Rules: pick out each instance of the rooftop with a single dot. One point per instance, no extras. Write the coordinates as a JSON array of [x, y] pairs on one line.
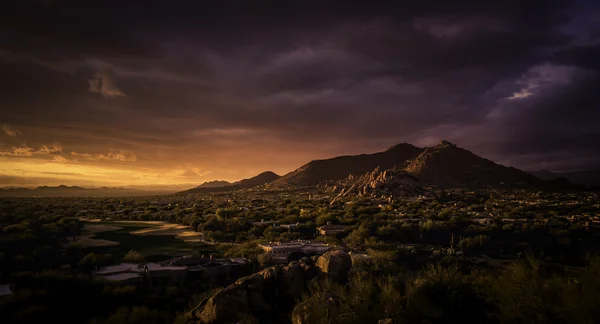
[[135, 268], [5, 290], [122, 276], [123, 267], [294, 243]]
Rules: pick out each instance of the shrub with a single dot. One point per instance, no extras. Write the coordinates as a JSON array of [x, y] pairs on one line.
[[133, 256]]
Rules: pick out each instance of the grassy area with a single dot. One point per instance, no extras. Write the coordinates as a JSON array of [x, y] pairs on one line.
[[153, 247]]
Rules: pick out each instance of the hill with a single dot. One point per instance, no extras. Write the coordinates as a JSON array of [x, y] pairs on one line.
[[261, 179], [75, 191], [590, 178], [446, 165], [341, 167], [214, 184]]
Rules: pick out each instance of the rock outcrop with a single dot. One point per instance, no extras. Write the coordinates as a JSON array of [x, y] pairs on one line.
[[335, 265], [382, 184], [270, 291]]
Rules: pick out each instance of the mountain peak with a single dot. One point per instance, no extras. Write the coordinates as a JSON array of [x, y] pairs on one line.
[[399, 146], [214, 184], [447, 165], [445, 143], [268, 174]]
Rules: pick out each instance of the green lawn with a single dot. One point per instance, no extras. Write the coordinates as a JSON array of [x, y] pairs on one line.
[[154, 247]]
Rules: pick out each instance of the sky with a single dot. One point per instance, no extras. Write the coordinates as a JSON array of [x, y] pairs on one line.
[[152, 92]]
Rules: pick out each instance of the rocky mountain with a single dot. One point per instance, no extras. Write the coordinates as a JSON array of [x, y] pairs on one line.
[[446, 165], [341, 167], [384, 184], [590, 178], [215, 184], [74, 191], [261, 179]]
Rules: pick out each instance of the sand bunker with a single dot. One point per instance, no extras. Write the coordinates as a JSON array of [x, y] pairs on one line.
[[181, 232], [95, 220], [190, 236], [98, 228], [88, 240], [165, 229], [140, 222]]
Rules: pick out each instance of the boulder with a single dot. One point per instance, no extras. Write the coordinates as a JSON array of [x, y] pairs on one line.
[[305, 313], [257, 295], [335, 265], [226, 306], [301, 313], [293, 279], [253, 282]]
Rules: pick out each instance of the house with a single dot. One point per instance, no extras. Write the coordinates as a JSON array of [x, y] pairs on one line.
[[211, 270], [483, 221], [281, 252], [515, 221], [134, 273], [5, 290], [265, 223], [129, 273], [290, 227], [331, 229]]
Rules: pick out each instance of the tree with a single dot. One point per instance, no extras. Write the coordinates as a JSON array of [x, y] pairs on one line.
[[96, 260], [224, 213], [133, 256], [324, 218], [265, 259], [358, 236]]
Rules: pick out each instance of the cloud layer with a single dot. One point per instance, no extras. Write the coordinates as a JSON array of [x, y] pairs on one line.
[[10, 131], [239, 88]]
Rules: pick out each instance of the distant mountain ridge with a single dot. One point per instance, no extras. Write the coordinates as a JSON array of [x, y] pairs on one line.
[[443, 166], [261, 179], [75, 191], [214, 184], [590, 178]]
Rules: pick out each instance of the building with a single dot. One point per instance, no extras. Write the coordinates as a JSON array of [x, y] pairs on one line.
[[134, 273], [130, 273], [290, 227], [483, 221], [211, 270], [331, 229], [5, 290], [282, 252], [265, 223]]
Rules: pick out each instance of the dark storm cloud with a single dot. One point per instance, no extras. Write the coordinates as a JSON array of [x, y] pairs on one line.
[[290, 81]]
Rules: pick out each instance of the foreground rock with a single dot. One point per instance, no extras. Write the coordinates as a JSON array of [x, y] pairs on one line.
[[273, 290], [335, 265]]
